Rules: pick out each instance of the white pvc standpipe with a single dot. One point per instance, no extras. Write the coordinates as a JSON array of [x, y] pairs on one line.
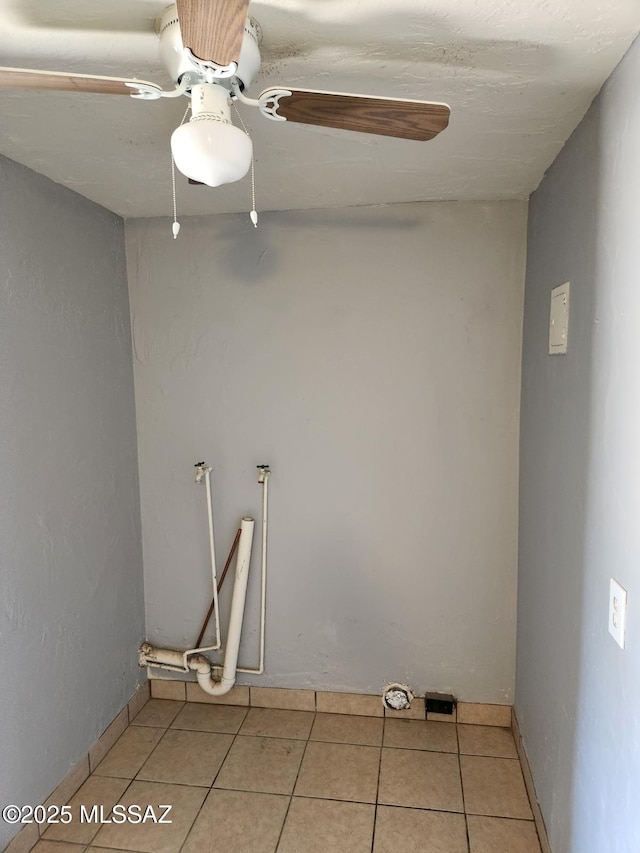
[[199, 663], [264, 479], [263, 572]]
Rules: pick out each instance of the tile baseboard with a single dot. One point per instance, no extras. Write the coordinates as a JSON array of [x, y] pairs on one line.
[[29, 836], [529, 784], [479, 714], [329, 702]]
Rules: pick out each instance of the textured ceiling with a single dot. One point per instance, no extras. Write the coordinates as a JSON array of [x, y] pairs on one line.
[[518, 75]]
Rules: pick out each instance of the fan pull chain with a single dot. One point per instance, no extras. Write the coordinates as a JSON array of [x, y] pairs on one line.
[[254, 213], [175, 227]]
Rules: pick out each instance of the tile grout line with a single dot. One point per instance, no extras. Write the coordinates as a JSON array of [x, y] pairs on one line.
[[216, 774], [464, 804], [109, 813], [160, 739], [130, 781], [375, 807], [304, 752]]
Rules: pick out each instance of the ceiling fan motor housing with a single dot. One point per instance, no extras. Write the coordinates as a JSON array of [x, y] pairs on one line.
[[177, 61]]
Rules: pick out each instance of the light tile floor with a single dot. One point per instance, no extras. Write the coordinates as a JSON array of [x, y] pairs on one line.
[[261, 780]]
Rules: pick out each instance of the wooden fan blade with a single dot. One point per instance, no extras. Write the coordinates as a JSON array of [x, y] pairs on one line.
[[22, 78], [402, 118], [213, 29]]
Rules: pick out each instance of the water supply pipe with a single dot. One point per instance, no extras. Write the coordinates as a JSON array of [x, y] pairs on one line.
[[203, 470]]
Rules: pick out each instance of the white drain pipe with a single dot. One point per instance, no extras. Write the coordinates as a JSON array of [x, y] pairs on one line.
[[184, 661], [200, 664], [205, 470]]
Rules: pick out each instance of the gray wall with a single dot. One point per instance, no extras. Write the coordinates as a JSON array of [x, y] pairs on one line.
[[371, 356], [578, 693], [71, 594]]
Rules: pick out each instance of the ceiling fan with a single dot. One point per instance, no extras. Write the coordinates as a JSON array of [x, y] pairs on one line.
[[210, 48]]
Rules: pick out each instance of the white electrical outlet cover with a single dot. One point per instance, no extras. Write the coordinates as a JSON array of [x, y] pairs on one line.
[[617, 611]]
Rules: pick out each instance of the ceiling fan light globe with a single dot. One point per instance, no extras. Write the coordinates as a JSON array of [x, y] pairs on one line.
[[211, 152]]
